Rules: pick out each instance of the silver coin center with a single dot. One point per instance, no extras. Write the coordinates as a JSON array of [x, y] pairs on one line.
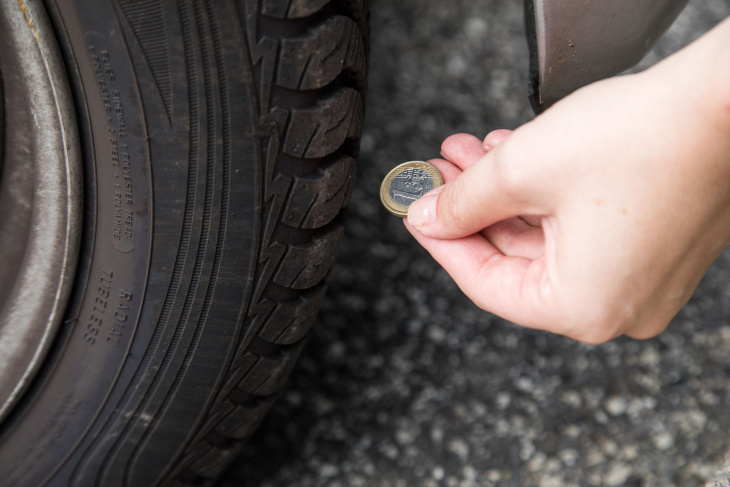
[[410, 185]]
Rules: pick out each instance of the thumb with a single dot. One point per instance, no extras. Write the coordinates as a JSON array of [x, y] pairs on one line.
[[479, 197]]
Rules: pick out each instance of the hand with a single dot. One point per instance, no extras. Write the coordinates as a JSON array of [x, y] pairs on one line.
[[601, 216]]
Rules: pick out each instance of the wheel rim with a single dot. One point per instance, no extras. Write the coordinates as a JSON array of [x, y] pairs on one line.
[[40, 194]]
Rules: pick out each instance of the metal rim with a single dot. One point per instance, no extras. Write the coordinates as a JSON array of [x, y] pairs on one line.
[[40, 194]]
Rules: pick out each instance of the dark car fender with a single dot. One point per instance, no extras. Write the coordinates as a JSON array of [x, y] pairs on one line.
[[574, 43]]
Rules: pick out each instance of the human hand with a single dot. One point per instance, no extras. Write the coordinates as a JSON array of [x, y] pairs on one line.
[[598, 218]]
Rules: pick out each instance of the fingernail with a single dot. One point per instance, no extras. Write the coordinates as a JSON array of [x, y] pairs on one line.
[[422, 212]]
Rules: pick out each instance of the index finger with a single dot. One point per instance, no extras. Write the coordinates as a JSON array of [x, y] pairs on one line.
[[516, 288]]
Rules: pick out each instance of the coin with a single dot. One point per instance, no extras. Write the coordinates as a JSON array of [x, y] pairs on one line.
[[406, 183]]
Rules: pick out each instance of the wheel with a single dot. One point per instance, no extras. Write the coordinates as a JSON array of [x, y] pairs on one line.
[[191, 160]]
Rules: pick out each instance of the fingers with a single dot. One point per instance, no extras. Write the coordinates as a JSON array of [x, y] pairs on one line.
[[448, 171], [516, 238], [478, 198], [494, 138], [470, 202], [532, 220], [463, 150], [514, 288]]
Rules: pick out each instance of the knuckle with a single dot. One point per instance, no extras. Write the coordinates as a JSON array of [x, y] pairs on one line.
[[596, 337], [650, 328], [596, 323]]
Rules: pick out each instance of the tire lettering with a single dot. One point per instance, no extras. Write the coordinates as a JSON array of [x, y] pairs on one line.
[[96, 318]]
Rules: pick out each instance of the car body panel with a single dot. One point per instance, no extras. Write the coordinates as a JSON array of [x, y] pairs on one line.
[[574, 43]]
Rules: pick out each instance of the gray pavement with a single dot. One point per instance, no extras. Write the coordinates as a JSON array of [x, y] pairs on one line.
[[406, 383]]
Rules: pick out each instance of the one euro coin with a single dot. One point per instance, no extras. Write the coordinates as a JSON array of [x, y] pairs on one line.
[[406, 183]]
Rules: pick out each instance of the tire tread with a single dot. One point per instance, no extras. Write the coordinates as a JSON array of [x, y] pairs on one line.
[[301, 233]]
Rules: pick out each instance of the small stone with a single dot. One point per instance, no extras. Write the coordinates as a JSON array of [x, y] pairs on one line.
[[616, 405], [459, 448], [610, 448], [389, 451], [525, 384], [537, 462], [692, 422], [405, 436], [600, 417], [327, 470], [572, 431], [527, 449], [456, 66], [436, 334], [572, 399], [438, 473], [617, 475], [630, 452], [437, 435], [470, 473], [650, 357], [638, 405], [494, 475], [663, 441], [569, 457], [503, 400], [476, 28], [594, 458]]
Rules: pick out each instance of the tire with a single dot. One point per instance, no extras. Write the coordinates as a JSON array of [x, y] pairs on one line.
[[218, 140]]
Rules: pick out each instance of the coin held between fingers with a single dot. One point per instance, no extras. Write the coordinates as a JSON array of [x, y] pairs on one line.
[[406, 183]]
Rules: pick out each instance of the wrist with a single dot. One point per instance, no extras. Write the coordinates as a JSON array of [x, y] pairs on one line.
[[699, 75]]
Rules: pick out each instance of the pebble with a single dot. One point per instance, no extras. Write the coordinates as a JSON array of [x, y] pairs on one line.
[[616, 405], [459, 448], [663, 441], [617, 475]]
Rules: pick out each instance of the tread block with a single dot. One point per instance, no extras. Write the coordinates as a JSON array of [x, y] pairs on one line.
[[303, 267], [315, 61], [292, 9], [320, 130], [214, 461], [290, 321], [243, 421], [270, 372], [317, 199]]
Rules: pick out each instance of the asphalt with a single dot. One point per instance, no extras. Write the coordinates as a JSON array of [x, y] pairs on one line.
[[406, 383]]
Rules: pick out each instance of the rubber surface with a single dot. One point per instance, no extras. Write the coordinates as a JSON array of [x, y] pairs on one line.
[[220, 139]]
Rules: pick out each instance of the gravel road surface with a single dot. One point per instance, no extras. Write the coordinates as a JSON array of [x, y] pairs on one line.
[[406, 383]]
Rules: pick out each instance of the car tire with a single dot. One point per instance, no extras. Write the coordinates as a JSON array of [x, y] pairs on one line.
[[218, 141]]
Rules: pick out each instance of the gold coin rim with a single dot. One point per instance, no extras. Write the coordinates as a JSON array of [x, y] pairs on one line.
[[390, 205]]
